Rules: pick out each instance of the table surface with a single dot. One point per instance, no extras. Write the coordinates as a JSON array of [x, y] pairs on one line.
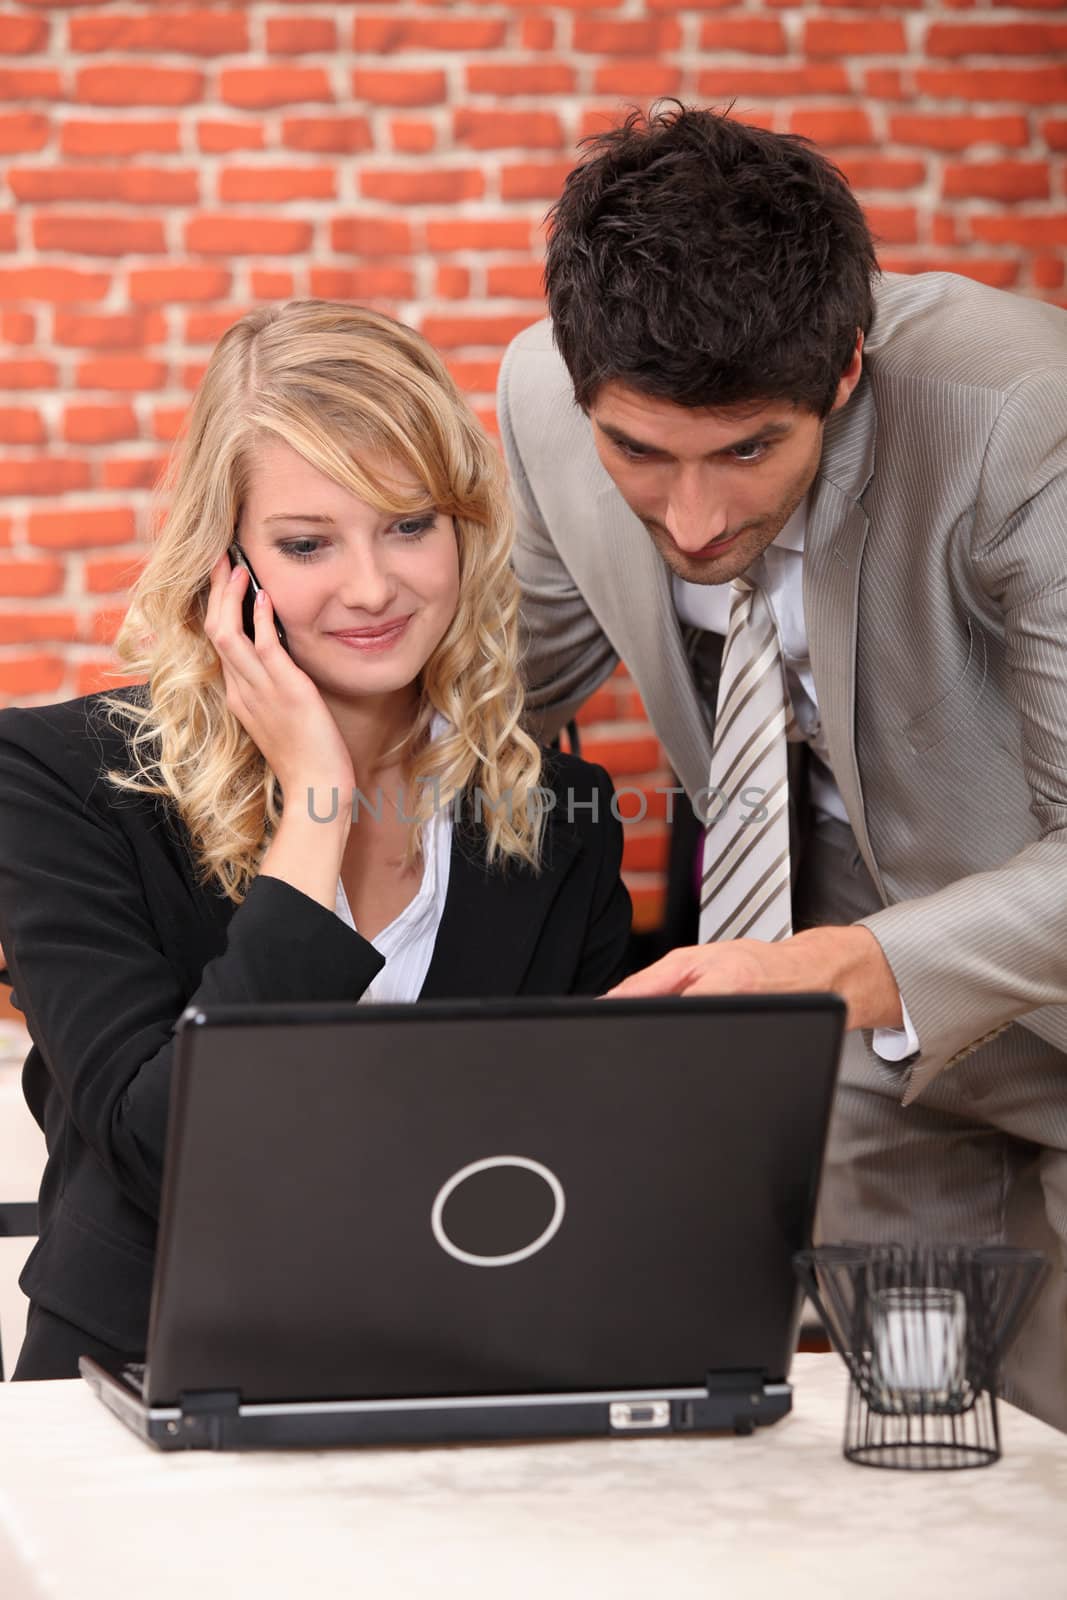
[[88, 1511]]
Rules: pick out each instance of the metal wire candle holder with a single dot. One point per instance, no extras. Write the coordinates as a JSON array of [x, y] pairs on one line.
[[922, 1330]]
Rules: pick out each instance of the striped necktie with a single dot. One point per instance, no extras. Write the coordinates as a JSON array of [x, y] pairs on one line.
[[745, 889]]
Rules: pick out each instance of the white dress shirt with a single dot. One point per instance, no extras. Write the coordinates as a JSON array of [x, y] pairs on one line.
[[407, 943], [779, 573]]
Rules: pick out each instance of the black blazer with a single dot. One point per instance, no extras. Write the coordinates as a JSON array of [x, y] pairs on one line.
[[109, 936]]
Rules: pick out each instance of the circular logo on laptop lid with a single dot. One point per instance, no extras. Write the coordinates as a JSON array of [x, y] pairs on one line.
[[499, 1211]]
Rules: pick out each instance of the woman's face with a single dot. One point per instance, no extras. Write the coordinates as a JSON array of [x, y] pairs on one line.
[[364, 597]]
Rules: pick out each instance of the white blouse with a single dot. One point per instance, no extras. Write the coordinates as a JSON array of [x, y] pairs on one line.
[[408, 941]]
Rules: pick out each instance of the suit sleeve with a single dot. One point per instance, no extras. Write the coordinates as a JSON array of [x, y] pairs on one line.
[[87, 959], [566, 654], [992, 947], [608, 931]]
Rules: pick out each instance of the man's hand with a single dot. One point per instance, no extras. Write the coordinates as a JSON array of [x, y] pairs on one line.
[[847, 961]]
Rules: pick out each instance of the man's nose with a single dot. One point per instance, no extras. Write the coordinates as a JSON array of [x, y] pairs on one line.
[[695, 514], [368, 583]]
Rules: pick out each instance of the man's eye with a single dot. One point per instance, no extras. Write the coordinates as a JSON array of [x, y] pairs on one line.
[[755, 450], [632, 452]]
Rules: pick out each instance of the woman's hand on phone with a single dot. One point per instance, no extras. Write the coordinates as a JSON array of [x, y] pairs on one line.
[[273, 699]]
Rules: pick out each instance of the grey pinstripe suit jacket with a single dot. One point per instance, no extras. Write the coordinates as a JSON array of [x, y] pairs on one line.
[[935, 591]]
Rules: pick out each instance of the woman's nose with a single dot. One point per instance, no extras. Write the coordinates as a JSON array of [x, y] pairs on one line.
[[368, 584]]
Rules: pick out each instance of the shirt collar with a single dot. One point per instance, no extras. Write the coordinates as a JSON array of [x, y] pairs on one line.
[[792, 535]]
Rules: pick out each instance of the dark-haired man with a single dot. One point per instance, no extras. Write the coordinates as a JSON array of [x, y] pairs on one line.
[[724, 433]]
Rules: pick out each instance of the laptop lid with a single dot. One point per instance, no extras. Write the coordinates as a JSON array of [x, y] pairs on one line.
[[494, 1198]]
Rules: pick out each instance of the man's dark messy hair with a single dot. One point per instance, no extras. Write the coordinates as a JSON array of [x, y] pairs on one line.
[[702, 260]]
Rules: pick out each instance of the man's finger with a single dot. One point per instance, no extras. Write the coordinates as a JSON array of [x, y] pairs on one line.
[[666, 976]]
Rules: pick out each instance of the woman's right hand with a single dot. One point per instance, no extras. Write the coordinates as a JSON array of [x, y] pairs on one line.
[[274, 700]]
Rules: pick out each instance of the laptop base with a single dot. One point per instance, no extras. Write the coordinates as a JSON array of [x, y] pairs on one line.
[[218, 1420]]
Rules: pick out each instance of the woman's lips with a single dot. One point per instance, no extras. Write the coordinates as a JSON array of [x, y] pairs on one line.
[[372, 639]]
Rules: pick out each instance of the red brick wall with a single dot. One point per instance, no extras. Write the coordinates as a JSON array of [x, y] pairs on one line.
[[168, 166]]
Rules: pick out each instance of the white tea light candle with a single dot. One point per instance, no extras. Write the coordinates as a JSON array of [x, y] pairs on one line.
[[918, 1346]]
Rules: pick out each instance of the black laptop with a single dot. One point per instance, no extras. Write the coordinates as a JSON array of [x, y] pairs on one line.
[[508, 1219]]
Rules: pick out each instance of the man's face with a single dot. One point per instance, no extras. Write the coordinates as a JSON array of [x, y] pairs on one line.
[[713, 488]]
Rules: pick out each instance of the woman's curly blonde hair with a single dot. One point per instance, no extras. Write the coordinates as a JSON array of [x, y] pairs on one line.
[[343, 386]]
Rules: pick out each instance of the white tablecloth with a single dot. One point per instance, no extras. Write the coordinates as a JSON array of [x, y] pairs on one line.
[[90, 1513]]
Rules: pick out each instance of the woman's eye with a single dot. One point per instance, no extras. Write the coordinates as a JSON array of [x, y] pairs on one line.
[[300, 549], [415, 527]]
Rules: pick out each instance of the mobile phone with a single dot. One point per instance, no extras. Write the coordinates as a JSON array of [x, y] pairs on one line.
[[239, 559]]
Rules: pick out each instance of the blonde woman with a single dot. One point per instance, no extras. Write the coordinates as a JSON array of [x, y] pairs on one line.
[[325, 794]]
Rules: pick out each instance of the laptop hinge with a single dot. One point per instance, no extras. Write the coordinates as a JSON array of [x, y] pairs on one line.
[[737, 1398], [205, 1414]]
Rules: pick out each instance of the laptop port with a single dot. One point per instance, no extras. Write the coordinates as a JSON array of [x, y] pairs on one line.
[[629, 1414]]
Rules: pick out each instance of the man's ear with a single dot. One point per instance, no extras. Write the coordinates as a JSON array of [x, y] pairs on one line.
[[851, 375]]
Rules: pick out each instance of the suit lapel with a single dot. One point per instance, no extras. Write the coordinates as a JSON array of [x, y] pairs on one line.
[[627, 587], [492, 919], [833, 554]]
